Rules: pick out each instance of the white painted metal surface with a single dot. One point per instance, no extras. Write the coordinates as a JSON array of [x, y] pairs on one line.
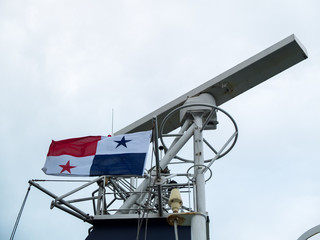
[[198, 223], [310, 233]]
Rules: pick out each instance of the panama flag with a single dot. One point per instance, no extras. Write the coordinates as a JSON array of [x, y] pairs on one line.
[[99, 155]]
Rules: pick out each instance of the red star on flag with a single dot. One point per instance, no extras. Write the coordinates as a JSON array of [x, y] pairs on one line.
[[66, 167]]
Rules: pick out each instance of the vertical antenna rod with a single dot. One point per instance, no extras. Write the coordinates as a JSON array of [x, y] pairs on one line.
[[112, 115]]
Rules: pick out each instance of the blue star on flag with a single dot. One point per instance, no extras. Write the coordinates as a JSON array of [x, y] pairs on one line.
[[122, 142]]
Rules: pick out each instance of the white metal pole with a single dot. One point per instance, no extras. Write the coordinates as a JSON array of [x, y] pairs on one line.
[[198, 223], [198, 227]]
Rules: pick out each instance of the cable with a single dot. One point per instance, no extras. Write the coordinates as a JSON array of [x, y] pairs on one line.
[[146, 228], [144, 211], [147, 202], [175, 224], [20, 213], [139, 225]]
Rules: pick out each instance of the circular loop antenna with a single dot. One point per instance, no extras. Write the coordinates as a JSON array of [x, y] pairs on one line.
[[198, 165], [213, 108]]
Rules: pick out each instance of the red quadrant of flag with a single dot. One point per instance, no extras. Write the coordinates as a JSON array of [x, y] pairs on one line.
[[77, 147]]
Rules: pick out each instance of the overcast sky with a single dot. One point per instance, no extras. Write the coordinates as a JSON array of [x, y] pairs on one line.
[[64, 65]]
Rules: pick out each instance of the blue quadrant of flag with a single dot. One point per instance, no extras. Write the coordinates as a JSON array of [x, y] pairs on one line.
[[120, 164]]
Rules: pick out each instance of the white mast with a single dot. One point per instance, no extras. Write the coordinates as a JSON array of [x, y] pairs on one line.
[[215, 92], [194, 113]]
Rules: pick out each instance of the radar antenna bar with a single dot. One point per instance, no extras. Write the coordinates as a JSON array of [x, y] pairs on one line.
[[233, 82]]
